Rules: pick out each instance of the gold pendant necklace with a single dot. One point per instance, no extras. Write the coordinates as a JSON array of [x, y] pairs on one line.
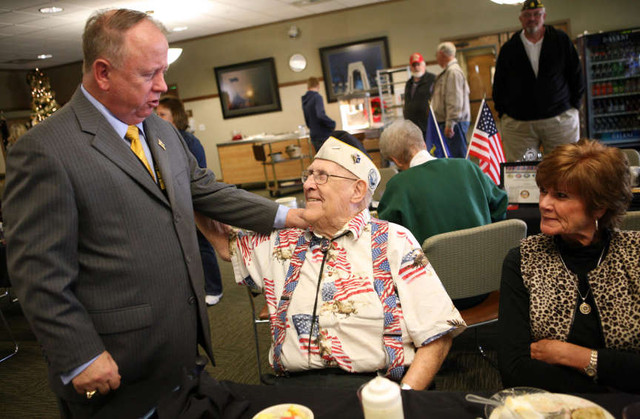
[[584, 307]]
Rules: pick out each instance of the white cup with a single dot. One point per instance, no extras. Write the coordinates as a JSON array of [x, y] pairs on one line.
[[289, 201]]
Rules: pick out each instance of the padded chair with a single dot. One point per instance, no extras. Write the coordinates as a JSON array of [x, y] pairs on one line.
[[632, 155], [631, 221], [258, 317], [469, 263], [386, 173]]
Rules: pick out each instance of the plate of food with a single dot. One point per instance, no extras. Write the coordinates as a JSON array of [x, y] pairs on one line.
[[528, 402], [582, 408], [285, 411]]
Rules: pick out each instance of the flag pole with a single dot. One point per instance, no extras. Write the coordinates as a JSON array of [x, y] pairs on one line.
[[444, 149], [474, 127]]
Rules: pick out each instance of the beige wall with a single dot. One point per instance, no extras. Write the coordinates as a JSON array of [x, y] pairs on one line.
[[409, 25]]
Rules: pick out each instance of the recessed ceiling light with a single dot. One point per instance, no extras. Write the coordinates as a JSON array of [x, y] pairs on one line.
[[180, 28], [44, 56], [49, 10]]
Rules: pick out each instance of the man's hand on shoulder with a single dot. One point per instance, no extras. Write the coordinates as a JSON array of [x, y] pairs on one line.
[[295, 218], [101, 375]]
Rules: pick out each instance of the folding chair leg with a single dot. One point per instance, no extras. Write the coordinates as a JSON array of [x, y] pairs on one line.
[[263, 378], [482, 352], [15, 344]]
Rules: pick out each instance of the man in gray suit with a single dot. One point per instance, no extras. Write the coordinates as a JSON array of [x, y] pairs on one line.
[[101, 246]]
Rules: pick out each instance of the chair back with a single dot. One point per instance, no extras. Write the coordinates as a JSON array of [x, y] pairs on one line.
[[632, 155], [469, 261], [386, 173], [631, 221]]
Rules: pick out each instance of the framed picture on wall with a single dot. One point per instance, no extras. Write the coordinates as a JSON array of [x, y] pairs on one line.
[[248, 88], [353, 64]]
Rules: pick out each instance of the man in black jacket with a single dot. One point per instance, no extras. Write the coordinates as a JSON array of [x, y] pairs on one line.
[[417, 92], [538, 86]]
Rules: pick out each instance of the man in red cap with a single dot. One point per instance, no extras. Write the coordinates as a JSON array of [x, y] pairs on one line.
[[538, 86], [417, 92]]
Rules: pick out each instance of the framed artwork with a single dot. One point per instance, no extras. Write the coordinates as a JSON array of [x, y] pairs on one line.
[[248, 88], [353, 64]]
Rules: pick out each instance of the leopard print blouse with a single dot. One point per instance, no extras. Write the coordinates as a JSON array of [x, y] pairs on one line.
[[615, 285]]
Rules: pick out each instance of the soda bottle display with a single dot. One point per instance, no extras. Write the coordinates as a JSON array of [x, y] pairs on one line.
[[612, 71]]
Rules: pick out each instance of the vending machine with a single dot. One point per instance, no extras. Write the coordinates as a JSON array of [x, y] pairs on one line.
[[611, 111]]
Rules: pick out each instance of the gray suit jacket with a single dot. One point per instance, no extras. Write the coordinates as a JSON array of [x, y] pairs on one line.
[[102, 259]]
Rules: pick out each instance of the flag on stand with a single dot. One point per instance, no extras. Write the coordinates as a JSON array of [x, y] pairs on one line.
[[435, 145], [486, 144]]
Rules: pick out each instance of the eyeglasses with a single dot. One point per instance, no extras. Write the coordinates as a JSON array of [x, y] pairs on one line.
[[320, 178]]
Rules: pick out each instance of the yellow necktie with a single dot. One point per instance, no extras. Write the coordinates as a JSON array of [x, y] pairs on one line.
[[136, 147]]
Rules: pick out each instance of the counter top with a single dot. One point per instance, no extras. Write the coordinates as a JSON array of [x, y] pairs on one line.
[[263, 138]]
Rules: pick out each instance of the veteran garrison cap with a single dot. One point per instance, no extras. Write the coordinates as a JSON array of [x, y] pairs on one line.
[[532, 4], [352, 159]]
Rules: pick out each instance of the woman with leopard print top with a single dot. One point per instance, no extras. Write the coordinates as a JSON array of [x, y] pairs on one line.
[[570, 297]]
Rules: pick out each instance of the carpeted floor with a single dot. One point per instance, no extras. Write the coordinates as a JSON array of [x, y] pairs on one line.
[[24, 391]]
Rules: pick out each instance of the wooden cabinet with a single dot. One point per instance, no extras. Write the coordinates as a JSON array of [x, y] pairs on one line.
[[239, 165]]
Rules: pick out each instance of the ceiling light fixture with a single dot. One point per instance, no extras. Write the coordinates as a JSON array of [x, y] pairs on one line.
[[50, 10], [513, 2], [179, 28], [44, 56], [173, 54]]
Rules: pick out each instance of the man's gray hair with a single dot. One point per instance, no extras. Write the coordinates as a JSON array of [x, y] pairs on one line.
[[103, 35], [448, 48], [401, 140]]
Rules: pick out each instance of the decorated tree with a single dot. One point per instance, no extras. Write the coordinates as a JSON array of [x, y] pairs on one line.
[[43, 102]]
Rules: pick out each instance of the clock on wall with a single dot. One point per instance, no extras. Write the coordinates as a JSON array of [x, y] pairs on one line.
[[297, 62]]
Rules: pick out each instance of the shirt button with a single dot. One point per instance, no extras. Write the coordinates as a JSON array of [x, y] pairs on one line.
[[192, 300]]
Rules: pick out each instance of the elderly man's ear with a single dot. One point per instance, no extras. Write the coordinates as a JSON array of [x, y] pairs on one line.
[[360, 189]]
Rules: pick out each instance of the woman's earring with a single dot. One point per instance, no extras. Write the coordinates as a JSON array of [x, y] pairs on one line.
[[596, 224]]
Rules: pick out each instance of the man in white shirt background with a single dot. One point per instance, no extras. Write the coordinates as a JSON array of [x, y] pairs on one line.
[[538, 86]]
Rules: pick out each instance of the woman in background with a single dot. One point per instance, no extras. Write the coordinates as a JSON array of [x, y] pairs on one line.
[[172, 110], [570, 297]]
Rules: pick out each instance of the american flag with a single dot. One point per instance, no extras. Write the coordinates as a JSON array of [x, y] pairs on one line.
[[409, 271], [333, 353], [353, 285], [302, 324], [486, 144], [270, 292]]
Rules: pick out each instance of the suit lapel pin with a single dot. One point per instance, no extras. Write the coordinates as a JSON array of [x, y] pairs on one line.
[[161, 144]]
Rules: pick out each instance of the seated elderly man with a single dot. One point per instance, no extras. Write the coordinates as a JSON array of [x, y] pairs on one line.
[[351, 294], [432, 196]]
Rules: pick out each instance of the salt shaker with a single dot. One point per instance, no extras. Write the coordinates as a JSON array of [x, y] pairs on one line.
[[381, 399]]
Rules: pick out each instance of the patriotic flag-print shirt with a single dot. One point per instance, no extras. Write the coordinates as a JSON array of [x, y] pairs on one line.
[[348, 327]]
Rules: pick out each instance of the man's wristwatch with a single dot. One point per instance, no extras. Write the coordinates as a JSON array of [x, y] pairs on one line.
[[592, 369]]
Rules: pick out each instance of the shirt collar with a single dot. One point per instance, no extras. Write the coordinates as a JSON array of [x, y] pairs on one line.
[[421, 157], [119, 126], [356, 226]]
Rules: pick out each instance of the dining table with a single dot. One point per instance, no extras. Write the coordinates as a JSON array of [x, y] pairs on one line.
[[335, 403]]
